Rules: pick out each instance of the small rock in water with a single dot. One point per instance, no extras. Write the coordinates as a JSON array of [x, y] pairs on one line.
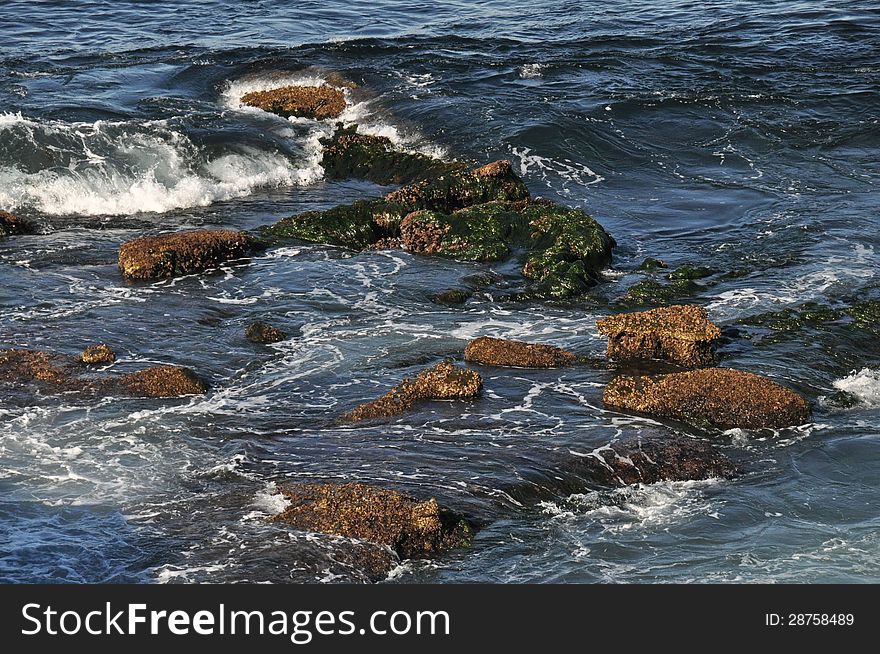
[[451, 296], [181, 253], [316, 102], [414, 529], [97, 354], [441, 382], [502, 352], [260, 332], [160, 381], [680, 334], [12, 225], [719, 397]]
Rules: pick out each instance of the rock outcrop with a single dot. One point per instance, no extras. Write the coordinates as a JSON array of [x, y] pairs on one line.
[[441, 382], [491, 351], [181, 253], [160, 381], [316, 102], [680, 334], [98, 354], [260, 332], [412, 528], [718, 397], [12, 225]]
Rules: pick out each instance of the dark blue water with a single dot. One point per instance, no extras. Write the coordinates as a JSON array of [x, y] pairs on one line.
[[739, 135]]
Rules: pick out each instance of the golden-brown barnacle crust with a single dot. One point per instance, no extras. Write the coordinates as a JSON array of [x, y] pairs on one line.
[[316, 102], [181, 253], [491, 351]]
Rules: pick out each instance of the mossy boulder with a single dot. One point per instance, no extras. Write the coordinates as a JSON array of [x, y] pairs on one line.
[[348, 154], [441, 382], [718, 397], [98, 354], [316, 102], [490, 351], [260, 332], [412, 528], [12, 225], [679, 334], [480, 233], [181, 253]]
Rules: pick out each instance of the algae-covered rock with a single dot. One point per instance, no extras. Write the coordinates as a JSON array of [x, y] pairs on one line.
[[860, 315], [441, 382], [160, 381], [719, 397], [680, 334], [98, 354], [651, 291], [260, 332], [451, 297], [480, 233], [181, 253], [502, 352], [413, 528], [58, 373], [12, 225], [348, 154], [317, 102]]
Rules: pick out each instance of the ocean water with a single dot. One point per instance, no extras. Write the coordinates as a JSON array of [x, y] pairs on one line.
[[739, 135]]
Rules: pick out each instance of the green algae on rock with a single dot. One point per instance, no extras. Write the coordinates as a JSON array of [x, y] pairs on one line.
[[316, 102], [441, 382], [680, 334], [412, 528], [491, 351], [718, 397], [181, 253]]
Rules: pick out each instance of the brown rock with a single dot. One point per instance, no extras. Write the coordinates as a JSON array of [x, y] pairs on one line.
[[412, 528], [317, 102], [441, 382], [720, 397], [181, 253], [10, 225], [161, 381], [260, 332], [681, 334], [501, 352], [96, 354], [21, 366]]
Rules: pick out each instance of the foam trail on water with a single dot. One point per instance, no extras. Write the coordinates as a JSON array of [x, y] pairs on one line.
[[864, 385]]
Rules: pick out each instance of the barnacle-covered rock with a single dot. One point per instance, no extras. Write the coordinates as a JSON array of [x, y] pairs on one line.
[[98, 354], [260, 332], [680, 334], [181, 253], [491, 351], [159, 381], [412, 528], [441, 382], [720, 397]]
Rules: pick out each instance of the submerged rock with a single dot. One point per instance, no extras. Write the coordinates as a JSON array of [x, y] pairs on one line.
[[12, 225], [316, 102], [57, 373], [412, 528], [719, 397], [451, 296], [97, 354], [181, 253], [680, 334], [441, 382], [864, 315], [348, 154], [502, 352], [623, 463], [260, 332]]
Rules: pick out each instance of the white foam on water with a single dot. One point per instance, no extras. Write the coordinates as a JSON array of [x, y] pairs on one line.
[[552, 171], [530, 71], [863, 384], [123, 168]]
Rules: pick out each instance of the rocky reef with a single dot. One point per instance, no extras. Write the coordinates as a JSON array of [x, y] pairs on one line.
[[181, 253], [12, 225], [441, 382], [260, 332], [679, 334], [316, 102], [717, 397], [56, 373], [491, 351], [412, 528]]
